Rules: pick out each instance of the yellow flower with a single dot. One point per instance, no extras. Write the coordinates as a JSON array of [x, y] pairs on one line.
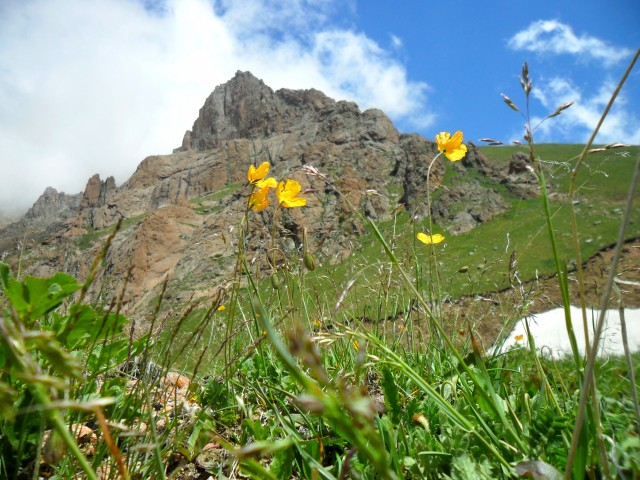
[[269, 182], [452, 147], [287, 192], [429, 239], [519, 338], [221, 307], [256, 174], [258, 200]]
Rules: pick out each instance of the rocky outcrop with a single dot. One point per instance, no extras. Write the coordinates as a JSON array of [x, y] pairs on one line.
[[186, 143], [464, 205], [245, 108], [53, 206], [5, 220], [96, 194], [97, 191], [520, 179], [47, 215], [153, 249]]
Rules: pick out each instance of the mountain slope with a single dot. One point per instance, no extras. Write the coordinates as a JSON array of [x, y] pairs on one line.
[[181, 211]]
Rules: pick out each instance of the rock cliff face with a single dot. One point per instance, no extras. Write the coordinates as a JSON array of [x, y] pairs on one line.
[[53, 206], [181, 211]]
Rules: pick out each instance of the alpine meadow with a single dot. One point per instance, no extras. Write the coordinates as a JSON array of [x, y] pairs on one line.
[[300, 291]]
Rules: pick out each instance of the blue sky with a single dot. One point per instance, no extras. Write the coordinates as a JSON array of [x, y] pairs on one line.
[[468, 54], [94, 87]]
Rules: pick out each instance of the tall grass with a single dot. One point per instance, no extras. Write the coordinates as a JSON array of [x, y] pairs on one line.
[[374, 375]]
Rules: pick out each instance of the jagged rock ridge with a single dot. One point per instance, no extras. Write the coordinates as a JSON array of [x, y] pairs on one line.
[[180, 210]]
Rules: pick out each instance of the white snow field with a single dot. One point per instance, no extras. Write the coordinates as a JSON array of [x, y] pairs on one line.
[[550, 333]]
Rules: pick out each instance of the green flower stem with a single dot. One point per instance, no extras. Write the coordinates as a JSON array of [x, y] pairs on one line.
[[591, 362], [589, 382], [443, 405], [629, 360], [332, 408], [563, 281], [491, 396], [562, 272], [18, 354], [61, 428], [157, 457], [572, 190], [432, 257]]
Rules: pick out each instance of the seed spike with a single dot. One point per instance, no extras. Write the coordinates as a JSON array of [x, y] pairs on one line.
[[560, 109], [509, 102]]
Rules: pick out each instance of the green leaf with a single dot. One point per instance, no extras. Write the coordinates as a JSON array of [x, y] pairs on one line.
[[7, 395], [102, 358], [35, 297], [60, 359], [390, 390], [282, 464], [5, 275], [464, 467], [253, 469], [84, 326]]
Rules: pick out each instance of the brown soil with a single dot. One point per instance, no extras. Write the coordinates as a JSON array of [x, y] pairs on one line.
[[491, 312]]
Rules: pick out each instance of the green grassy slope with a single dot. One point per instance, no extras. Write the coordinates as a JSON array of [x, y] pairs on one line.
[[478, 261]]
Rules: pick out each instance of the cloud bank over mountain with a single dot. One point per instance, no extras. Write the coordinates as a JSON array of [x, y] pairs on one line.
[[94, 87]]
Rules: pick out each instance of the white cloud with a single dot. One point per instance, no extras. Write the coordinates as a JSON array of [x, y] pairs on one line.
[[358, 65], [552, 36], [94, 87], [396, 41], [282, 16], [578, 121]]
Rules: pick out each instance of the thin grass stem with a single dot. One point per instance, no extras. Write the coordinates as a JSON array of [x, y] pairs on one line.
[[572, 191], [629, 360], [604, 301]]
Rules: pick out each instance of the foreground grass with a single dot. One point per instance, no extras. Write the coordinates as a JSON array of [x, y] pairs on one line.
[[332, 400], [291, 385]]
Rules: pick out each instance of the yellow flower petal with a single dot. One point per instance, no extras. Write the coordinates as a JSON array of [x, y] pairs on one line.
[[267, 183], [452, 147], [429, 239], [294, 202], [286, 193], [258, 200], [441, 139], [256, 174]]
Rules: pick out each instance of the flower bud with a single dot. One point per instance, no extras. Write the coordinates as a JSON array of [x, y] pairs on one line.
[[275, 281], [309, 261]]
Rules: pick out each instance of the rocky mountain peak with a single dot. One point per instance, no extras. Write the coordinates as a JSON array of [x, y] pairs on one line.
[[246, 108], [96, 192], [53, 206]]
